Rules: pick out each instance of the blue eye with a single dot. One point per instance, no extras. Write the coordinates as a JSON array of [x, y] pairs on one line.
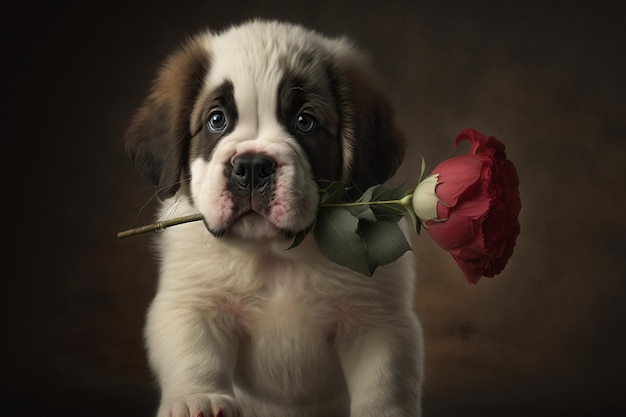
[[305, 123], [217, 121]]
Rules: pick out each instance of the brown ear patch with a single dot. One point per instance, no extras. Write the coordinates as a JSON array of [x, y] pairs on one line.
[[374, 147], [157, 139], [381, 144]]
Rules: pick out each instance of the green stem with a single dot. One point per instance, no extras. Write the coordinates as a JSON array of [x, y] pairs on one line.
[[162, 225], [360, 203], [404, 202]]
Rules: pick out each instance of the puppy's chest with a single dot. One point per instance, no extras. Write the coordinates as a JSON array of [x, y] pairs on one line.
[[282, 313], [286, 298], [288, 335]]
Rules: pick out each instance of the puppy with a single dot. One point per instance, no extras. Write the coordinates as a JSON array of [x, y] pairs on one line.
[[240, 126]]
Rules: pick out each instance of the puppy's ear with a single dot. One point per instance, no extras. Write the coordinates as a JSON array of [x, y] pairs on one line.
[[374, 146], [157, 139]]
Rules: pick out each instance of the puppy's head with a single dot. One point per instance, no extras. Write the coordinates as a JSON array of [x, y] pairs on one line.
[[243, 123]]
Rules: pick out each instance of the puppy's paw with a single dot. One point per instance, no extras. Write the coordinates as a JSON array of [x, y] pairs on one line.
[[200, 405]]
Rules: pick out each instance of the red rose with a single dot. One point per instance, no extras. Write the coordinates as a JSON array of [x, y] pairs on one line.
[[478, 207]]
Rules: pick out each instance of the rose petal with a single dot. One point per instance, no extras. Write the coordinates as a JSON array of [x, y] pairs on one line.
[[481, 144], [453, 233], [473, 264], [459, 175]]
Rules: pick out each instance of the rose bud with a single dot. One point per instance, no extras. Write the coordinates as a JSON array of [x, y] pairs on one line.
[[470, 206]]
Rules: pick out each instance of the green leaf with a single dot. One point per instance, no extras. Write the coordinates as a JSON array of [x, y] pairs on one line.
[[385, 242], [417, 224], [360, 236], [395, 193], [422, 169], [331, 191], [372, 193], [388, 212], [336, 236], [364, 212]]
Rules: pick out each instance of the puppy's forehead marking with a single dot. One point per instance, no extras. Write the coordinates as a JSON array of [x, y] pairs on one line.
[[256, 60], [277, 71]]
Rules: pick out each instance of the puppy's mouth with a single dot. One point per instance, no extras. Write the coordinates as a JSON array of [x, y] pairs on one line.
[[252, 225], [259, 198], [251, 185]]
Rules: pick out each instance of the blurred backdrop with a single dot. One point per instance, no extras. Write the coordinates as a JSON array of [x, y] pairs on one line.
[[544, 337]]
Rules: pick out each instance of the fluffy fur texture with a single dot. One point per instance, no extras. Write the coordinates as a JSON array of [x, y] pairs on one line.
[[239, 126]]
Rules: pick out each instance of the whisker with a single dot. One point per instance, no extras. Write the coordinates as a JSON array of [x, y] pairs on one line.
[[144, 206], [153, 196]]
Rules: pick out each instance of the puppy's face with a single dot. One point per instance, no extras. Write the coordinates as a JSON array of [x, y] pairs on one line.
[[243, 124], [267, 128]]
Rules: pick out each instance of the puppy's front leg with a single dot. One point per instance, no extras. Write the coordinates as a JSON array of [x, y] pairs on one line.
[[193, 359], [383, 369]]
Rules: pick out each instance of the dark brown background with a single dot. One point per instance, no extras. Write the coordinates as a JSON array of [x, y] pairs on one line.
[[544, 337]]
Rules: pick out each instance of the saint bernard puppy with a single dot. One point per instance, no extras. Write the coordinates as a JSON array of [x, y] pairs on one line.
[[239, 126]]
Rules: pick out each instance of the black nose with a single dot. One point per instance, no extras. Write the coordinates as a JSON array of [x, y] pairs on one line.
[[253, 171]]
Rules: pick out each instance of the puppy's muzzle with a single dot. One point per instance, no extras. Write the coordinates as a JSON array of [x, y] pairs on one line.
[[253, 173]]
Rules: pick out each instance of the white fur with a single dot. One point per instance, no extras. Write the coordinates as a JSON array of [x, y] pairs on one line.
[[300, 335], [242, 326]]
